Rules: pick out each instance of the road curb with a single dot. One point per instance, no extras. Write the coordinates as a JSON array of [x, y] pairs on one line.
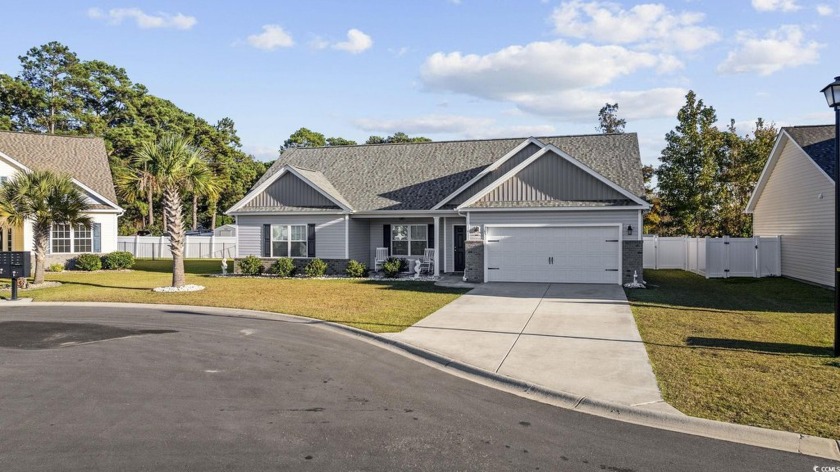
[[773, 439]]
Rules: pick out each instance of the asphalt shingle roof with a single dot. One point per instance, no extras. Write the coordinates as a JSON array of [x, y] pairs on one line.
[[417, 176], [817, 142], [85, 159]]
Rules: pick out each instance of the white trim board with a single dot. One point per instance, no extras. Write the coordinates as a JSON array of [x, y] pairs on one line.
[[542, 152], [781, 141], [495, 165]]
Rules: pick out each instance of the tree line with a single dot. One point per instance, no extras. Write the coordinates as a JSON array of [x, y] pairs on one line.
[[705, 175]]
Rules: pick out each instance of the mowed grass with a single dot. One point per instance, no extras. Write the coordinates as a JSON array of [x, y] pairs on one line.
[[749, 351], [375, 306]]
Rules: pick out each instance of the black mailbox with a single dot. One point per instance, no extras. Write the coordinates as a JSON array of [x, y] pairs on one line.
[[15, 264]]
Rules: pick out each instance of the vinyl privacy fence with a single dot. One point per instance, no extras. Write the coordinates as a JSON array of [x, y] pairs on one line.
[[195, 247], [716, 257]]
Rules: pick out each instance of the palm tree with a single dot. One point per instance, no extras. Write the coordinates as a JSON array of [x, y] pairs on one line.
[[171, 165], [45, 199], [202, 183]]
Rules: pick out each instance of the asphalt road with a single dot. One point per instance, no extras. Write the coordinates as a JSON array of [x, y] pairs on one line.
[[140, 389]]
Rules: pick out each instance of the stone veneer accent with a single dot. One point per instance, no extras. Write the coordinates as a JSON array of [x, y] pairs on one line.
[[334, 266], [631, 258], [474, 262]]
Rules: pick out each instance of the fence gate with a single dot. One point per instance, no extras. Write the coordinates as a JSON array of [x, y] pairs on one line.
[[716, 257]]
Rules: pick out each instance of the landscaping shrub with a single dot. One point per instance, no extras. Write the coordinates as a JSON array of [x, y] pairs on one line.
[[356, 269], [118, 260], [251, 265], [88, 262], [56, 267], [284, 267], [315, 268], [393, 266]]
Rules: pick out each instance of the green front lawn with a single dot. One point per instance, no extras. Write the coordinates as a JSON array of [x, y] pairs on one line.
[[750, 351], [375, 306]]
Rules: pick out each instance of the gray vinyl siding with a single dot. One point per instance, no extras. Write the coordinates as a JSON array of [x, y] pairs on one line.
[[448, 264], [329, 233], [790, 206], [625, 217], [360, 240], [290, 191], [491, 177], [552, 177]]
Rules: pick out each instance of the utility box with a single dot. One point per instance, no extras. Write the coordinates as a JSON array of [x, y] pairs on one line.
[[15, 264]]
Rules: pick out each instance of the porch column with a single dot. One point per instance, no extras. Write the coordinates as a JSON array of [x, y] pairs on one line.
[[437, 246]]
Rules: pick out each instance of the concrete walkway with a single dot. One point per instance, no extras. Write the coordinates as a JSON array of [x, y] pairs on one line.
[[576, 338]]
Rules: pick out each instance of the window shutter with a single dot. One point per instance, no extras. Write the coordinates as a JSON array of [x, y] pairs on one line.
[[310, 239], [266, 236], [386, 237], [430, 235], [97, 237]]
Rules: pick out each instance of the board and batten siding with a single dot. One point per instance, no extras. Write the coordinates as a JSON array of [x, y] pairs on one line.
[[329, 233], [797, 203], [491, 177], [290, 191], [568, 217], [552, 177], [359, 236]]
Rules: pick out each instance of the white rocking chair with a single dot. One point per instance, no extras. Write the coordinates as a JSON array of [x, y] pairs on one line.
[[428, 260], [381, 257]]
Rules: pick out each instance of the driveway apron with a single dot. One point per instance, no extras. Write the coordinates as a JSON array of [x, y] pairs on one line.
[[577, 338]]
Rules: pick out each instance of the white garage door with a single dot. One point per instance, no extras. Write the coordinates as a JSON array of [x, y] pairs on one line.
[[573, 254]]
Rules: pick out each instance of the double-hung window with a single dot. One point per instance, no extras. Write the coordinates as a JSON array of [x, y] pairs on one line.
[[288, 241], [71, 239], [409, 240]]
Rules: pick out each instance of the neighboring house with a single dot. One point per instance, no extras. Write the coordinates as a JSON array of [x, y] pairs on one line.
[[794, 198], [554, 209], [86, 161], [225, 231]]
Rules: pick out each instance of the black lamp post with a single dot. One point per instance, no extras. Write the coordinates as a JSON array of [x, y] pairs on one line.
[[832, 96]]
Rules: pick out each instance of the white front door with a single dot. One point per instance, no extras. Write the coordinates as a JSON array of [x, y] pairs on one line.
[[556, 254]]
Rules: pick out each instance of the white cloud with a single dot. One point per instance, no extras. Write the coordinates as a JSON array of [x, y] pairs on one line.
[[319, 43], [262, 153], [825, 10], [534, 68], [424, 124], [272, 37], [650, 25], [143, 20], [584, 104], [357, 42], [775, 5], [779, 49]]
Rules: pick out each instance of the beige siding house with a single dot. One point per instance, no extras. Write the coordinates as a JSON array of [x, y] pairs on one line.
[[794, 198]]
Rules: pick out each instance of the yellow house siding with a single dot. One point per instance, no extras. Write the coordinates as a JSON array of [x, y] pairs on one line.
[[790, 206]]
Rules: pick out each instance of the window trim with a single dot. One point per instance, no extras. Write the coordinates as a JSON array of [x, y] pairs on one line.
[[289, 241], [408, 239], [72, 238]]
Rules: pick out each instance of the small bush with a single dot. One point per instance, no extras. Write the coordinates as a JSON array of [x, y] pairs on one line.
[[284, 267], [315, 268], [251, 265], [393, 266], [56, 267], [88, 262], [118, 260], [356, 269]]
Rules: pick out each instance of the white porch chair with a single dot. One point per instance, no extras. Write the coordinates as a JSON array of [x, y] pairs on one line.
[[381, 257], [428, 260]]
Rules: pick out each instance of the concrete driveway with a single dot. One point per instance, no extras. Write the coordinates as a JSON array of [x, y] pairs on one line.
[[577, 338]]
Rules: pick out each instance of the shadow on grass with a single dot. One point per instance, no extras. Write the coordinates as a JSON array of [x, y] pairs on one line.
[[301, 321], [674, 289], [191, 266], [423, 287], [759, 346], [88, 284]]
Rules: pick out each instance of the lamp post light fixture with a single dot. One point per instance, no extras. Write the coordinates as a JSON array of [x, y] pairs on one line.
[[832, 97]]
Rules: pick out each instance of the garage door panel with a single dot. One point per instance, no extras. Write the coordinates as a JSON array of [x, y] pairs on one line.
[[580, 254]]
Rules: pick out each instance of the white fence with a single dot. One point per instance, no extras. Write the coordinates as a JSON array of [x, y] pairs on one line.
[[195, 247], [716, 257]]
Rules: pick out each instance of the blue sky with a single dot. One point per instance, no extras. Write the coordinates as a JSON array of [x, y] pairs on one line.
[[452, 69]]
